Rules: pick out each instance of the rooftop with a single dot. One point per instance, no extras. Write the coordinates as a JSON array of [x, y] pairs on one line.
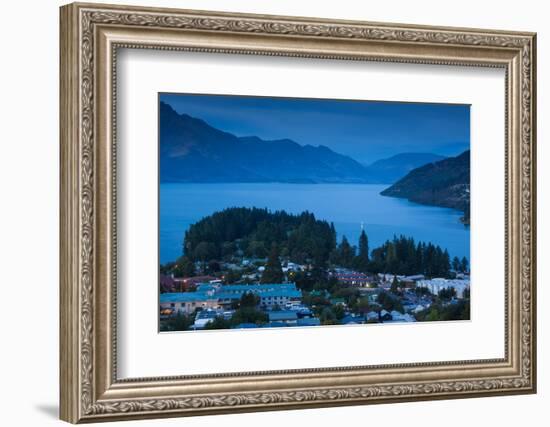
[[245, 326], [210, 291], [309, 321], [283, 315], [178, 297], [456, 283]]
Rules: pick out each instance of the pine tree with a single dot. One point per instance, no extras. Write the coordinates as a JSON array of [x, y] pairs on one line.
[[446, 264], [184, 267], [456, 264], [346, 253], [394, 285], [419, 255], [464, 265], [332, 236], [273, 272], [362, 261], [391, 258]]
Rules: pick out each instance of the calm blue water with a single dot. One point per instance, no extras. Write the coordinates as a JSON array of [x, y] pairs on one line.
[[347, 205]]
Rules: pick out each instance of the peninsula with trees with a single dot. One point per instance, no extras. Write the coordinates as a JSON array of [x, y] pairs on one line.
[[445, 183]]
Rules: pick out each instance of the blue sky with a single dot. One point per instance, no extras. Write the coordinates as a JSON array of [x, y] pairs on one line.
[[365, 130]]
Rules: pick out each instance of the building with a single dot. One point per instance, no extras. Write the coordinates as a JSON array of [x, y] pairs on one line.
[[410, 281], [204, 317], [352, 319], [385, 316], [187, 302], [338, 301], [436, 285], [292, 267], [217, 296], [371, 316], [401, 317], [386, 277], [308, 321], [288, 317], [271, 295], [246, 326], [167, 283], [184, 284], [352, 278]]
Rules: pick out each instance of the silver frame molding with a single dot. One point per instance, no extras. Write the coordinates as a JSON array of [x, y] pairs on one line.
[[90, 37]]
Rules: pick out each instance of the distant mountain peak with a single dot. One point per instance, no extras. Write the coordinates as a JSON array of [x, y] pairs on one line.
[[393, 168], [191, 150], [411, 154]]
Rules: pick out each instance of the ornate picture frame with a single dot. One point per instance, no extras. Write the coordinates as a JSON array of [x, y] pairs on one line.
[[91, 34]]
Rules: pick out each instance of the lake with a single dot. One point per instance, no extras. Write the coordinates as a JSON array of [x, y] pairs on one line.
[[349, 206]]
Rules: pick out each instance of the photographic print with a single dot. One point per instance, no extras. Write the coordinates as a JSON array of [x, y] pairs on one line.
[[301, 212]]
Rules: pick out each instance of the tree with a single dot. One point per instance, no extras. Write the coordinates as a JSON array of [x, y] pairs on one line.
[[394, 285], [303, 281], [446, 294], [456, 264], [233, 276], [273, 272], [419, 264], [444, 263], [438, 312], [184, 267], [179, 322], [421, 291], [363, 305], [319, 266], [392, 262], [249, 299], [364, 245], [338, 311], [429, 260], [346, 253], [167, 268], [204, 252], [218, 323], [402, 255], [464, 265], [256, 249], [327, 316], [334, 257], [362, 259], [248, 315], [389, 302], [332, 284], [252, 231], [228, 249], [214, 266], [332, 235]]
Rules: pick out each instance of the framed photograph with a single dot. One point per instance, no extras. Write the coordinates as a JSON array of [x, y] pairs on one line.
[[266, 213]]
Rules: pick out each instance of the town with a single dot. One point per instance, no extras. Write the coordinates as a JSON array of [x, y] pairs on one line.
[[275, 292], [253, 268]]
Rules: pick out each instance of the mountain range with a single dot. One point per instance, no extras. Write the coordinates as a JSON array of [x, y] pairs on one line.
[[444, 183], [387, 171], [191, 150]]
